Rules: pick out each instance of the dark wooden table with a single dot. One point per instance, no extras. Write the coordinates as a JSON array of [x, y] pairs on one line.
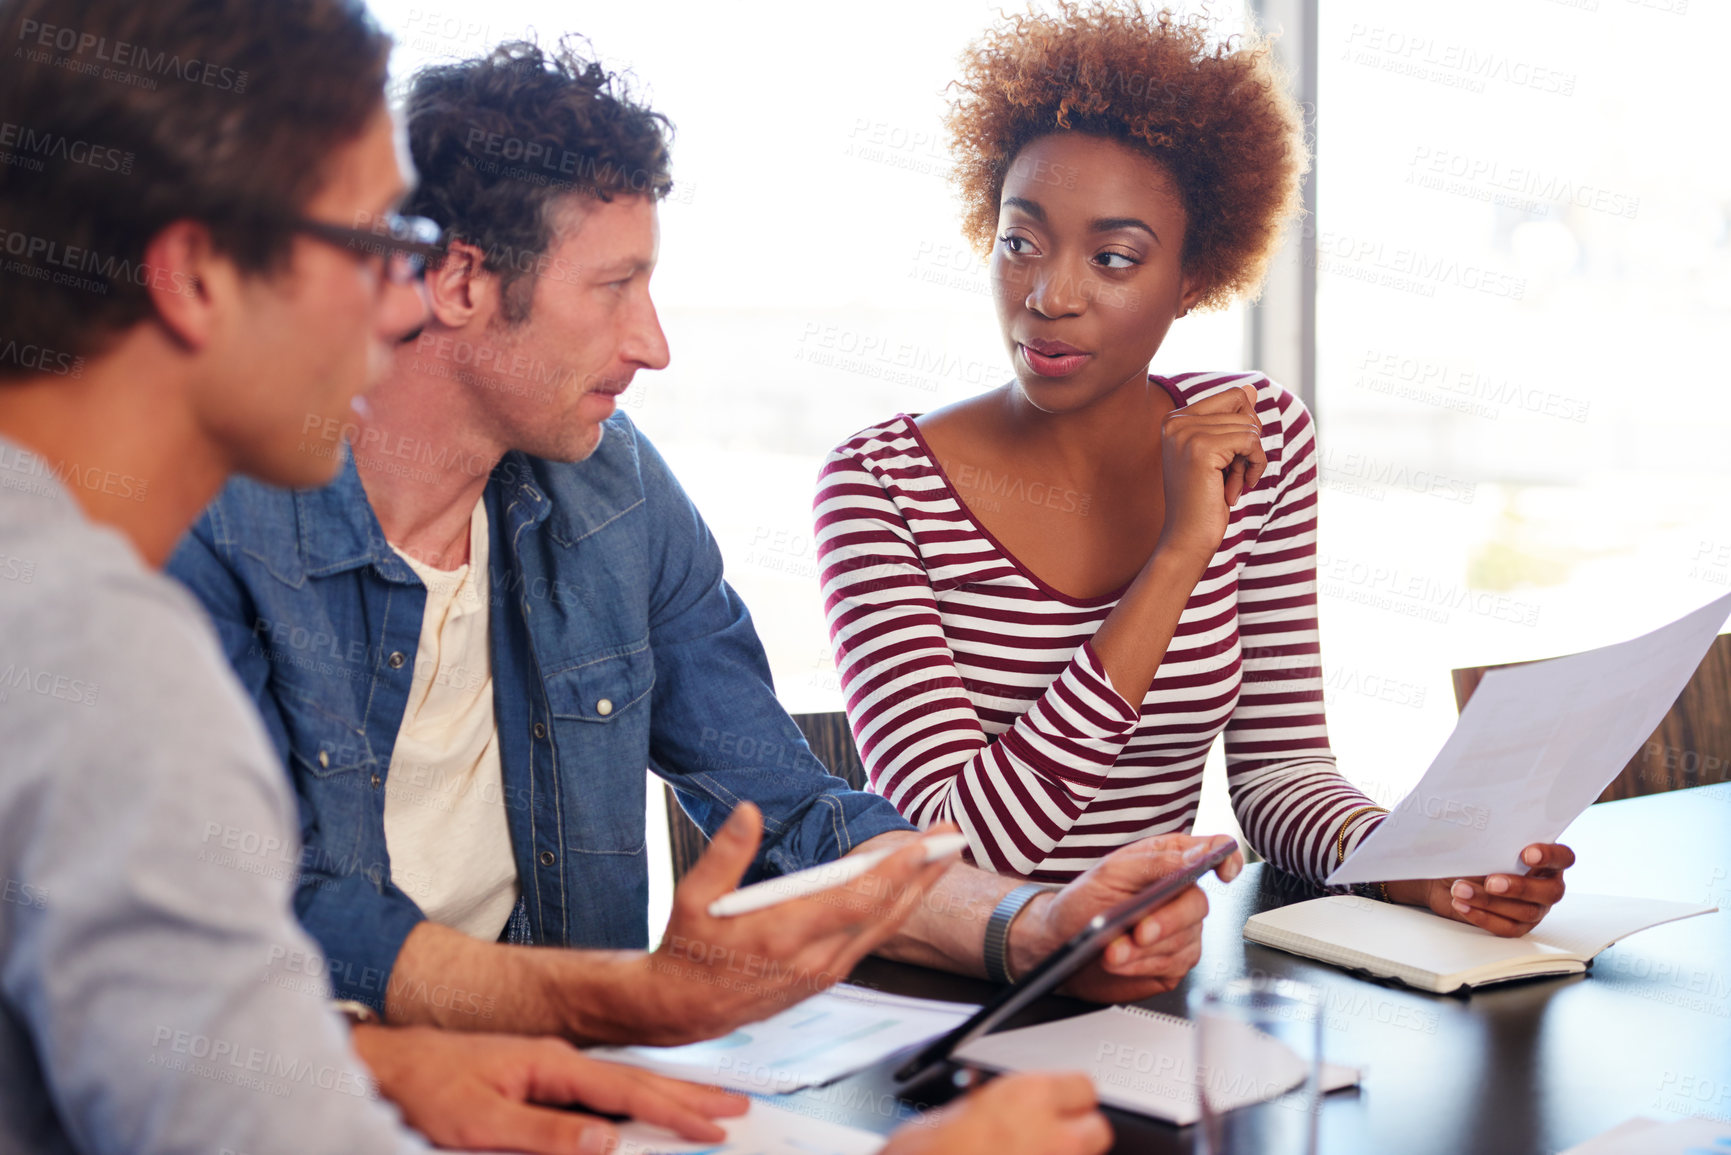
[[1527, 1068]]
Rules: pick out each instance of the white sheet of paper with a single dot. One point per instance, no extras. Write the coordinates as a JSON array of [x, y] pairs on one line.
[[764, 1130], [1644, 1136], [1534, 747], [1146, 1063], [831, 1034]]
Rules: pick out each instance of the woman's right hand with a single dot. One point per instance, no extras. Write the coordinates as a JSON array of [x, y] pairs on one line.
[[1210, 455], [1031, 1113]]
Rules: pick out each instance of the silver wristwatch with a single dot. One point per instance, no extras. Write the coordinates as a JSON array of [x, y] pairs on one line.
[[998, 929]]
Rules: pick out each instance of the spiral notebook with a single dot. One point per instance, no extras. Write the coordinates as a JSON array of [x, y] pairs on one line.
[[1144, 1062]]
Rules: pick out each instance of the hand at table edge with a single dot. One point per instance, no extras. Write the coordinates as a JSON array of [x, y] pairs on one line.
[[509, 1093]]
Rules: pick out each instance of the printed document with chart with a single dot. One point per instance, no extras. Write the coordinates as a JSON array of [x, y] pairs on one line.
[[834, 1033]]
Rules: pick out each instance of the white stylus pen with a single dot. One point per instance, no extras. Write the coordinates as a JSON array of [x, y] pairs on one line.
[[822, 876]]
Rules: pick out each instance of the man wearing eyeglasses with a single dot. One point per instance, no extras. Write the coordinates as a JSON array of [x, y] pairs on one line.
[[164, 323], [467, 648]]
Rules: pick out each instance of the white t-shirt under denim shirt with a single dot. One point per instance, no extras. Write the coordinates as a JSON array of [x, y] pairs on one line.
[[156, 993], [445, 825]]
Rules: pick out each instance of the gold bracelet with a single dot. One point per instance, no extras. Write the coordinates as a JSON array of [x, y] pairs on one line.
[[1340, 840], [1340, 843]]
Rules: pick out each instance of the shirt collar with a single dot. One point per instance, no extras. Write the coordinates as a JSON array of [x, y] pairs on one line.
[[338, 530]]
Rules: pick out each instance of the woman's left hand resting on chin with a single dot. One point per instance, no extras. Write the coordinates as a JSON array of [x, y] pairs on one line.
[[1506, 905]]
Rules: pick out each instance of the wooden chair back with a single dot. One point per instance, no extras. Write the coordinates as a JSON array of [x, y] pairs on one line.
[[1691, 747], [831, 740]]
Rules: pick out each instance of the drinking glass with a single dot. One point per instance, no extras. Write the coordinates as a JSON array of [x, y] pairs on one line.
[[1258, 1066]]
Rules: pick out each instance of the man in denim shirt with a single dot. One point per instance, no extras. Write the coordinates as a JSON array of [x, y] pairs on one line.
[[455, 758]]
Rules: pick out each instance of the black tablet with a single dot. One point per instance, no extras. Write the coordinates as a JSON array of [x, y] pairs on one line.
[[1093, 938]]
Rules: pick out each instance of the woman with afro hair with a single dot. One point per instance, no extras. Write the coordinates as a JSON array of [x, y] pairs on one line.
[[1049, 599]]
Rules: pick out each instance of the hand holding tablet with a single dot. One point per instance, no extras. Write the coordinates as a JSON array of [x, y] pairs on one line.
[[1078, 952]]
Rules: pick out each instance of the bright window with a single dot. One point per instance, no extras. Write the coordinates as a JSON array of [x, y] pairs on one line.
[[1524, 289]]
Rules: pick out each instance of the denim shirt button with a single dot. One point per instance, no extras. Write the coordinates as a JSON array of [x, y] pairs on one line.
[[546, 858], [396, 659], [604, 707], [375, 781], [324, 760], [540, 730]]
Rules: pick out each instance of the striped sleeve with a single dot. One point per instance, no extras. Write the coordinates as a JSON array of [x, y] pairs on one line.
[[1285, 789], [1015, 796]]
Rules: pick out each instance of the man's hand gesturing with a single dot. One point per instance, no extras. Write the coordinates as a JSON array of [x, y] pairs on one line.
[[711, 975]]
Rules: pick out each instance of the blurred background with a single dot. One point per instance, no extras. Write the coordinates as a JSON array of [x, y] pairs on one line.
[[1523, 287]]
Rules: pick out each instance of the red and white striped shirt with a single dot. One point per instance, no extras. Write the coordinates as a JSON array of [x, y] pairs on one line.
[[976, 697]]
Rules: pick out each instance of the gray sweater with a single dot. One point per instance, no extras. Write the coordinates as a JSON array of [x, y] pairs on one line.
[[156, 992]]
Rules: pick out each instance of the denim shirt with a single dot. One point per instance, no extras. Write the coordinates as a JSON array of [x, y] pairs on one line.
[[616, 645]]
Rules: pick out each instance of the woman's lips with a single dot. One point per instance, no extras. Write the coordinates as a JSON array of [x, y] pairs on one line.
[[1060, 360]]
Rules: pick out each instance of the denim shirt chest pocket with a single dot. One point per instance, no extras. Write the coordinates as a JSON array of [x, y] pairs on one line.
[[334, 766], [323, 740], [600, 711]]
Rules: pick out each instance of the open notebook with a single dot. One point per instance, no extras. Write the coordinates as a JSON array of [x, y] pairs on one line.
[[1143, 1061], [1432, 953]]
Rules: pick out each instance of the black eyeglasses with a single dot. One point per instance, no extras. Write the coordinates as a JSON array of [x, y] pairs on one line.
[[406, 244]]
